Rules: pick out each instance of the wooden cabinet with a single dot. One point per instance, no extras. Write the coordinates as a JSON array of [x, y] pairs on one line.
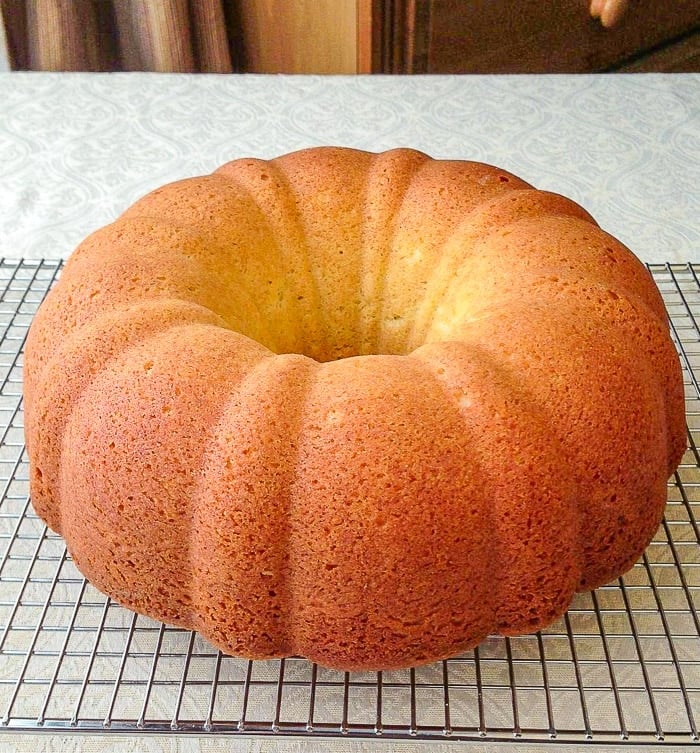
[[297, 36], [528, 36], [464, 36]]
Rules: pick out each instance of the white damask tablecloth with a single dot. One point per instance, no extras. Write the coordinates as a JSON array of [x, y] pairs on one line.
[[77, 149]]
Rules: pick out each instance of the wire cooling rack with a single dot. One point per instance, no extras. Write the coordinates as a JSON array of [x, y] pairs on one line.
[[622, 664]]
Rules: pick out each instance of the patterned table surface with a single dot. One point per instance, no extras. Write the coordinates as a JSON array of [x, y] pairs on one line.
[[77, 149]]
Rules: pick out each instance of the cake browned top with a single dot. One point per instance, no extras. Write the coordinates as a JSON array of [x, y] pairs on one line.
[[362, 407]]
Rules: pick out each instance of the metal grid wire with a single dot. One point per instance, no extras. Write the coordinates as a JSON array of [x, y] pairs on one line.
[[622, 664]]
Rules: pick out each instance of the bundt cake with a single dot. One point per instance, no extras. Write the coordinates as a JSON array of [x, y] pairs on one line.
[[364, 408]]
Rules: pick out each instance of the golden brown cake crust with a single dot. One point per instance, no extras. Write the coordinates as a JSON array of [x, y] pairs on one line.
[[366, 408]]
